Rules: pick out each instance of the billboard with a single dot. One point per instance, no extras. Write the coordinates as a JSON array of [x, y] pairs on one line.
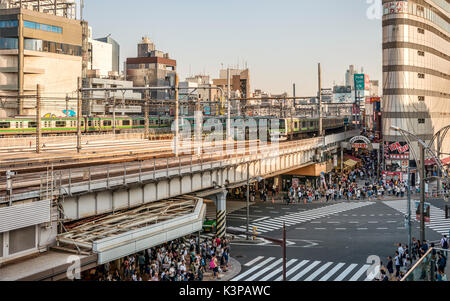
[[362, 82]]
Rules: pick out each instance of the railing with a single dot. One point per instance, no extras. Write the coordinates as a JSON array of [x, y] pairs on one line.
[[426, 268], [69, 181]]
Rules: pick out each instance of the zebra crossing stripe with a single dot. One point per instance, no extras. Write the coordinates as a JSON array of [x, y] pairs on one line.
[[346, 272], [332, 272], [359, 273], [265, 270], [290, 272], [302, 273], [253, 261], [279, 270], [318, 272], [256, 267], [438, 221]]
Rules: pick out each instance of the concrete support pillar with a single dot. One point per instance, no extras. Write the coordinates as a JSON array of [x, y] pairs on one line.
[[221, 205]]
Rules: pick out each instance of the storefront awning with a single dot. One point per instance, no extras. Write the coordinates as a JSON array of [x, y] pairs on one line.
[[430, 162], [118, 235], [353, 158]]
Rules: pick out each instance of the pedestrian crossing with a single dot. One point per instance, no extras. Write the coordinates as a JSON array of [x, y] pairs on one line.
[[438, 221], [292, 219], [271, 269]]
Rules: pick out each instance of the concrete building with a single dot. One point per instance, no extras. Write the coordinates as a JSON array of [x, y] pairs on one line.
[[239, 82], [416, 71], [99, 103], [349, 77], [208, 95], [101, 56], [115, 56], [38, 47], [152, 67]]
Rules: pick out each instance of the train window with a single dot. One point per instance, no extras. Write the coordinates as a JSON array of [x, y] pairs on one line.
[[32, 125], [296, 125], [312, 124], [157, 121], [90, 123], [82, 123], [304, 124], [142, 122], [135, 122], [5, 125], [60, 124], [107, 122], [125, 122]]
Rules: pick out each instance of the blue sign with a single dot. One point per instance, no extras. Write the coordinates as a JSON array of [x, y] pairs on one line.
[[207, 110], [70, 113]]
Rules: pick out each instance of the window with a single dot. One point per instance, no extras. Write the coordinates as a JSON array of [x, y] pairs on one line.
[[421, 75], [9, 24], [312, 124], [126, 123], [421, 98], [421, 121], [304, 124], [107, 123], [60, 124], [5, 125], [142, 122], [32, 125], [421, 30], [9, 43], [421, 53], [135, 122]]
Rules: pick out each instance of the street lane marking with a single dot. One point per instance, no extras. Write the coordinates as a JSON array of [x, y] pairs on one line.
[[273, 265], [255, 268], [279, 270], [359, 273], [373, 222], [362, 229], [332, 272], [341, 229], [346, 272], [300, 228], [382, 229], [318, 272], [253, 261], [320, 228], [302, 273], [261, 219], [290, 272]]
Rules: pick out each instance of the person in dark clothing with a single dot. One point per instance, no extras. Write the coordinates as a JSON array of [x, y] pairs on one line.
[[390, 266]]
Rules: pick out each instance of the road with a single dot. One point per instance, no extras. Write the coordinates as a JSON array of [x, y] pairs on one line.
[[327, 242]]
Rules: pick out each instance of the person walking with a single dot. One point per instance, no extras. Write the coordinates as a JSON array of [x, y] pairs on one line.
[[398, 262], [444, 242]]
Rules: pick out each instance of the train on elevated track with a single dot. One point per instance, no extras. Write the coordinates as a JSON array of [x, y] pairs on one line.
[[277, 128]]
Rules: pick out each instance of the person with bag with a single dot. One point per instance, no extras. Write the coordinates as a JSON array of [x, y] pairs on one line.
[[444, 242], [213, 265]]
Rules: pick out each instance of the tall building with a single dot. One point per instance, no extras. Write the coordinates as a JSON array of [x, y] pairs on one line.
[[115, 52], [239, 81], [416, 71], [38, 45], [152, 67], [101, 56], [349, 77]]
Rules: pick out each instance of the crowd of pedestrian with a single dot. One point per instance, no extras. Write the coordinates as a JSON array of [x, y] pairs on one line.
[[184, 259], [398, 266]]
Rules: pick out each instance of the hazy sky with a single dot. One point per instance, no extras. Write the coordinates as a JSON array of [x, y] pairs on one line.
[[281, 41]]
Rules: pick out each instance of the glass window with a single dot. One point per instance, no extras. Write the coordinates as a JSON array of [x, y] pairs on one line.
[[125, 122], [5, 125], [422, 121], [60, 124], [9, 23], [29, 24], [107, 123], [9, 43], [32, 124], [142, 122]]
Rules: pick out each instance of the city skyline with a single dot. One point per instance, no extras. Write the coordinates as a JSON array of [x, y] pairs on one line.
[[274, 67]]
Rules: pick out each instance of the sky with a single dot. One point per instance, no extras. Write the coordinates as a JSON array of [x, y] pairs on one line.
[[281, 41]]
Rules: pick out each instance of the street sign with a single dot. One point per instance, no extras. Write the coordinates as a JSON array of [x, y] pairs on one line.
[[360, 82]]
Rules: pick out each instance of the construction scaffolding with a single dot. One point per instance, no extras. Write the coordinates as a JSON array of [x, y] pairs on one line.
[[62, 8]]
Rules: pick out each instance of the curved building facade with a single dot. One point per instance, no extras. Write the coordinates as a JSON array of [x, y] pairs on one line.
[[416, 72]]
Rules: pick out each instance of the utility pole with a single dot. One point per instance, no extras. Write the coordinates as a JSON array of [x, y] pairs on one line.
[[114, 116], [320, 102], [422, 192], [248, 200], [67, 105], [284, 251], [38, 119], [409, 205], [147, 121], [228, 104], [439, 174], [79, 101], [177, 108]]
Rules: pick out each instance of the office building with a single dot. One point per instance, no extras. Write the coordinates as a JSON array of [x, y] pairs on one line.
[[416, 72]]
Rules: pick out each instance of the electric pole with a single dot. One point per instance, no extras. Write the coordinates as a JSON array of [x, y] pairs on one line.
[[320, 102], [422, 192]]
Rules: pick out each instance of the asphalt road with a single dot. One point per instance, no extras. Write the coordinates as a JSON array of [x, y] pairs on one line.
[[326, 241]]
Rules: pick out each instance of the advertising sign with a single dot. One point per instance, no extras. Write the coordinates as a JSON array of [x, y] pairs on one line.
[[395, 7], [427, 210]]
